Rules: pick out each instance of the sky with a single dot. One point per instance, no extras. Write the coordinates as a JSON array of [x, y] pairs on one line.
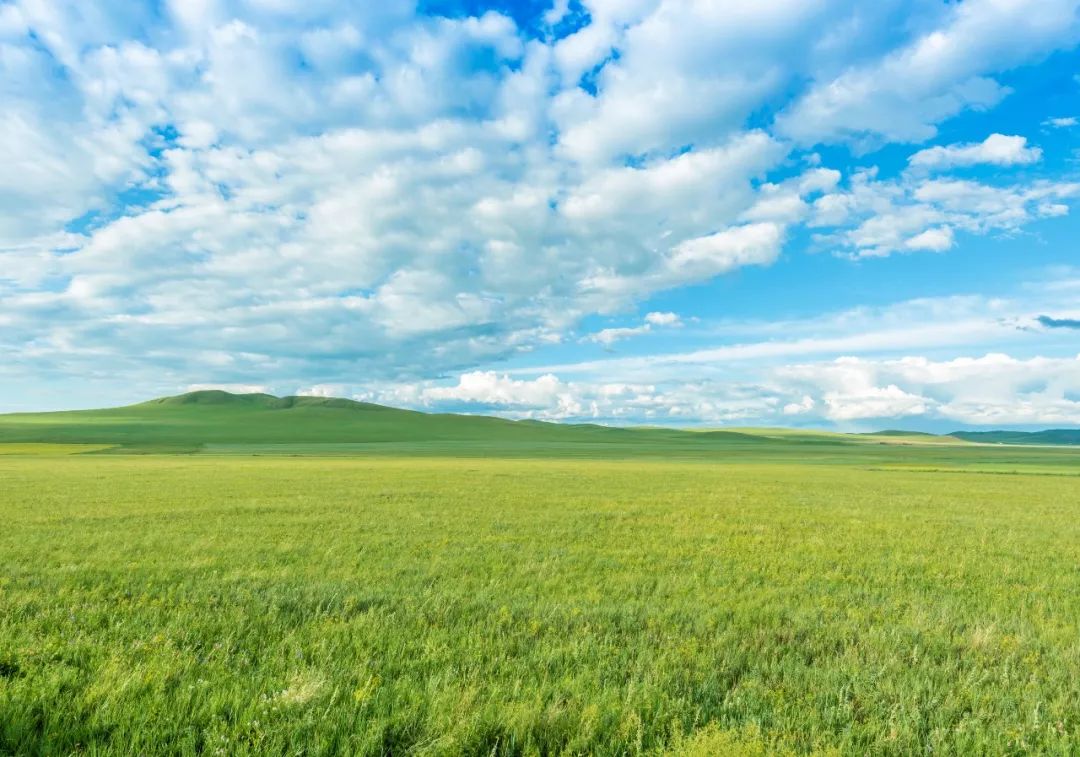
[[805, 213]]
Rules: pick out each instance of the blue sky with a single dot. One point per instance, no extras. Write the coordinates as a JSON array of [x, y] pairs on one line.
[[821, 214]]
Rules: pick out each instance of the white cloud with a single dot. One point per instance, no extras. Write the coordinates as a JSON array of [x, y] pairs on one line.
[[663, 319], [557, 12], [873, 402], [857, 369], [874, 218], [320, 190], [994, 389], [1064, 122], [786, 202], [935, 240], [448, 238], [609, 336], [685, 73], [704, 257], [487, 388], [946, 69], [803, 406], [847, 391], [549, 398], [900, 337], [322, 390], [997, 149], [234, 388], [932, 324]]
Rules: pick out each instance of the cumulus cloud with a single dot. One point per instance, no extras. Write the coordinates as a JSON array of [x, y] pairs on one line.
[[423, 224], [873, 217], [1064, 122], [663, 319], [668, 74], [993, 389], [943, 71], [304, 193], [873, 402], [703, 257], [489, 388], [547, 397], [803, 406], [234, 388], [935, 240], [790, 375], [997, 149], [609, 336]]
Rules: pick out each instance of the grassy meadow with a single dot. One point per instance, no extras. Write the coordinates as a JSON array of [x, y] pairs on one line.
[[775, 595]]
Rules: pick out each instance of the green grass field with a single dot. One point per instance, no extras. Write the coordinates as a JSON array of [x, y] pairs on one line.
[[745, 593]]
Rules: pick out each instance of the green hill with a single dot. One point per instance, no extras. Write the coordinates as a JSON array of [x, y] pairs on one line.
[[221, 422], [217, 417], [225, 423], [218, 420], [1067, 436]]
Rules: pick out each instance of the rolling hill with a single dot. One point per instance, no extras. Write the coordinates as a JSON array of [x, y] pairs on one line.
[[218, 417], [219, 421], [1055, 436]]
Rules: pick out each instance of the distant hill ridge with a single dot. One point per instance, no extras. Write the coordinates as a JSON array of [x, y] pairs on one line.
[[1055, 436], [221, 397], [215, 418]]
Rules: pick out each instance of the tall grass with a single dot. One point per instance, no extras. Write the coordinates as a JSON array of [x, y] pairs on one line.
[[432, 606]]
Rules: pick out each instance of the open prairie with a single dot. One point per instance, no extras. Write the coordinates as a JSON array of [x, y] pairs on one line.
[[878, 599], [547, 377]]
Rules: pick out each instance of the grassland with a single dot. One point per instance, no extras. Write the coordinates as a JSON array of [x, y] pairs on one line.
[[749, 593]]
